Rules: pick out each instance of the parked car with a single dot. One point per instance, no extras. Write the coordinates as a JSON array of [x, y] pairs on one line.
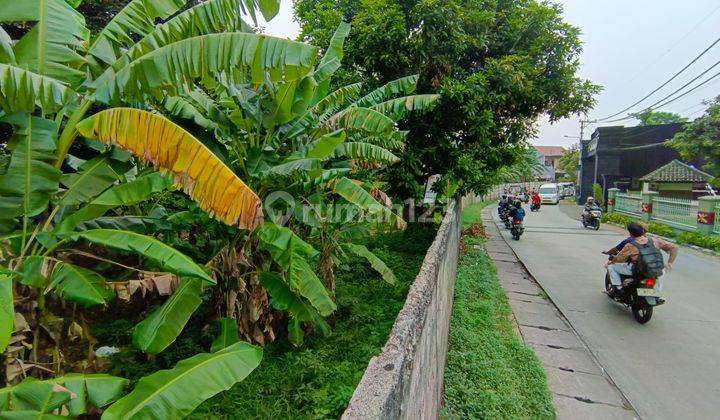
[[549, 194]]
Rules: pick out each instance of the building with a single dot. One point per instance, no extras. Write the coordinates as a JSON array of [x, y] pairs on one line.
[[620, 156], [678, 180], [550, 156]]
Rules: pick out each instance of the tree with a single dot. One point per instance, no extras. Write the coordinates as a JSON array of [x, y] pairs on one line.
[[569, 162], [701, 138], [58, 248], [650, 117], [497, 66], [526, 169]]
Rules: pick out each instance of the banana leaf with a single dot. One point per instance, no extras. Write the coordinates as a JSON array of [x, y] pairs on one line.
[[402, 86], [53, 46], [80, 285], [92, 178], [160, 329], [365, 151], [175, 393], [228, 335], [376, 263], [355, 194], [168, 258], [126, 194], [23, 91], [31, 175], [7, 311], [292, 254]]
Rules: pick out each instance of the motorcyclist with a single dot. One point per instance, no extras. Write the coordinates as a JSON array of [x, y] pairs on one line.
[[503, 203], [622, 263], [516, 211], [536, 199], [590, 205]]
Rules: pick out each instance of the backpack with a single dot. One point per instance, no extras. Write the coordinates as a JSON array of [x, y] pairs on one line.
[[650, 263]]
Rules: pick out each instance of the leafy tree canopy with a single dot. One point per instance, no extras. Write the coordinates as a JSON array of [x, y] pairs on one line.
[[569, 162], [498, 65], [651, 117], [702, 138]]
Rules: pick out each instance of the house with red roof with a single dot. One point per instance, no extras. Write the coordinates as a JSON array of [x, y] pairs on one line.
[[550, 156]]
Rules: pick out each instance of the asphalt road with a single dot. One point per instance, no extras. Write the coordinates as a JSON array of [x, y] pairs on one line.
[[668, 368]]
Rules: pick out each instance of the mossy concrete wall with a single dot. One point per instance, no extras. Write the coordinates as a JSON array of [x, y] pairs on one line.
[[405, 380]]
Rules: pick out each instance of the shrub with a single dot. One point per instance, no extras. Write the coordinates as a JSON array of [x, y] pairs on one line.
[[598, 194], [617, 218], [660, 229], [705, 241]]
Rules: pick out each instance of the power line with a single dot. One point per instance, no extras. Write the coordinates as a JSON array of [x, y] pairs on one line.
[[666, 82], [681, 39], [655, 105], [706, 81]]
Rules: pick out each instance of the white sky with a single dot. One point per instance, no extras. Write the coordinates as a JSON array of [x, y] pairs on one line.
[[631, 47]]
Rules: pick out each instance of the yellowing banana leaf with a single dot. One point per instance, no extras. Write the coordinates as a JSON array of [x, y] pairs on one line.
[[174, 393], [160, 329], [292, 254], [31, 175], [54, 44], [80, 285], [167, 257], [174, 67], [203, 176], [7, 312], [376, 263], [24, 91], [228, 335], [355, 194]]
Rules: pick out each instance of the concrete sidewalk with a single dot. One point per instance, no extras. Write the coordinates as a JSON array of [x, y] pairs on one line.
[[580, 387]]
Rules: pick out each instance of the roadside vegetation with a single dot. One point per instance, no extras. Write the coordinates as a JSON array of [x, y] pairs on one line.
[[490, 372], [318, 380], [711, 242], [184, 199]]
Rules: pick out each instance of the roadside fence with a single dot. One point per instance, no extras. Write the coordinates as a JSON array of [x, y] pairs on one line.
[[701, 216]]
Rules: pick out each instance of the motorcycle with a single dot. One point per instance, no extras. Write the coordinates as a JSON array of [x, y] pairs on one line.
[[504, 214], [593, 220], [517, 229], [535, 207], [638, 295]]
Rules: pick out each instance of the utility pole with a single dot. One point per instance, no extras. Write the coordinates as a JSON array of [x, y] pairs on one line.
[[583, 150]]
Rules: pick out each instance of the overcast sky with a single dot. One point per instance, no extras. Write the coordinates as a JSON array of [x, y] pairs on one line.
[[631, 47]]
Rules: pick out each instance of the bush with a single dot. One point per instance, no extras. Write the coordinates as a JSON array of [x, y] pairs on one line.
[[617, 218], [661, 230], [705, 241]]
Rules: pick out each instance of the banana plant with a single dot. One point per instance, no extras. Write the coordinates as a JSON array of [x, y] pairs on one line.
[[54, 227], [279, 129]]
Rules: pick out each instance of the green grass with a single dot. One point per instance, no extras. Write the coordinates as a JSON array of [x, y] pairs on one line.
[[473, 213], [318, 379], [490, 372]]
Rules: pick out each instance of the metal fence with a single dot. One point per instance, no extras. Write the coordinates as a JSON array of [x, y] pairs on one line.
[[629, 204], [675, 212], [716, 229]]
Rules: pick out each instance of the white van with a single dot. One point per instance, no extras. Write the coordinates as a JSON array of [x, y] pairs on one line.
[[549, 193]]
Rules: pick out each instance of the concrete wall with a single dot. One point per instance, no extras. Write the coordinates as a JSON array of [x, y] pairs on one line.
[[405, 380]]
